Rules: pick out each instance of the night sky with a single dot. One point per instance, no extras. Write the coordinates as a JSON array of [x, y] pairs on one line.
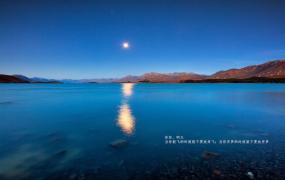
[[82, 39]]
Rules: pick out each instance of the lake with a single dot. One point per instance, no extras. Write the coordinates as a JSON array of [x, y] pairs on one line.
[[142, 131]]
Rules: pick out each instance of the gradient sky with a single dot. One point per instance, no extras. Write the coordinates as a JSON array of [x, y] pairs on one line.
[[82, 39]]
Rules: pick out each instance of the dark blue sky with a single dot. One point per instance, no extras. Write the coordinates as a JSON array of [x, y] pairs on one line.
[[81, 39]]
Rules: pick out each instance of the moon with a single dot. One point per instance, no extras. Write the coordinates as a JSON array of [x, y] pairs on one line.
[[126, 45]]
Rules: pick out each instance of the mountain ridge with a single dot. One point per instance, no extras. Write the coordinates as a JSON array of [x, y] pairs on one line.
[[17, 78], [266, 72], [256, 73], [271, 69]]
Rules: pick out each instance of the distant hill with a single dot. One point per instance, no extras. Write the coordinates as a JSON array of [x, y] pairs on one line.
[[171, 77], [130, 78], [271, 69], [102, 80], [43, 80], [23, 79], [163, 78], [11, 79]]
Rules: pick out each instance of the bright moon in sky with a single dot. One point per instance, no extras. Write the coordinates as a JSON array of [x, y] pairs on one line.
[[126, 45]]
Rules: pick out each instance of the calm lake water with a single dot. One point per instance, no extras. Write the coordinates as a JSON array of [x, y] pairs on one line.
[[64, 131]]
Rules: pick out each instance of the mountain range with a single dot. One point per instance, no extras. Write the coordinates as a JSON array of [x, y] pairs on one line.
[[23, 79], [272, 71]]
